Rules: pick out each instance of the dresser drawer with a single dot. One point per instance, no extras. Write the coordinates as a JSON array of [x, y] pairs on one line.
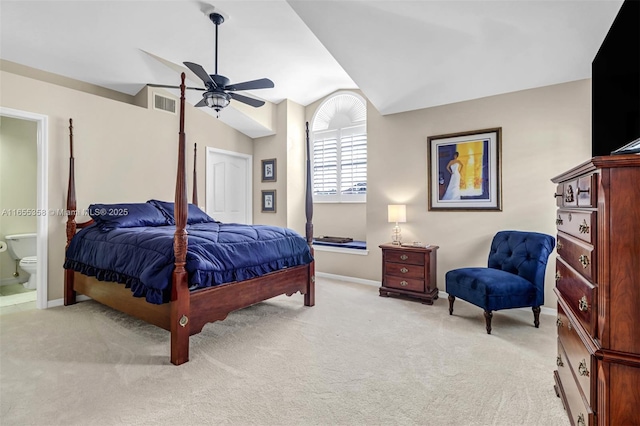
[[580, 360], [578, 254], [404, 256], [404, 270], [404, 283], [578, 293], [577, 223], [579, 413], [587, 188]]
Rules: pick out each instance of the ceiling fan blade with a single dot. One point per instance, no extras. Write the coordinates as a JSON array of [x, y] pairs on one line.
[[175, 87], [247, 100], [201, 103], [263, 83], [200, 72]]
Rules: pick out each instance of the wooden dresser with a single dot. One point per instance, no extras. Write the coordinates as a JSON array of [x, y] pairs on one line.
[[598, 289], [409, 271]]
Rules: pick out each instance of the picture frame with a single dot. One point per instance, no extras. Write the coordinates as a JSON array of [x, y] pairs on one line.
[[269, 201], [269, 171], [464, 170]]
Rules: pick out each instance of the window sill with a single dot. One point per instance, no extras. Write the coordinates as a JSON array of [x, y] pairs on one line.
[[334, 249]]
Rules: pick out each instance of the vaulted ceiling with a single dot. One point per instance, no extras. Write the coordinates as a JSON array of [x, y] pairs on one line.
[[403, 55]]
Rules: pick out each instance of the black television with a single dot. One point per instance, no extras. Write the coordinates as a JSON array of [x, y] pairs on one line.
[[615, 84]]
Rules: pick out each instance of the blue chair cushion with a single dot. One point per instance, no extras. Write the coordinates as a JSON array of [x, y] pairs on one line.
[[491, 289]]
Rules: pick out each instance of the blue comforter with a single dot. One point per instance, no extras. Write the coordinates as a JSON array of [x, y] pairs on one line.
[[142, 258]]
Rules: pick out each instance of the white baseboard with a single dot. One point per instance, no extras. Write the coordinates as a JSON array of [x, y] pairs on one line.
[[441, 294], [60, 302]]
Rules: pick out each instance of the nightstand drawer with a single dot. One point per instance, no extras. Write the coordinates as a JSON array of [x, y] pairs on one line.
[[404, 270], [404, 256], [404, 283]]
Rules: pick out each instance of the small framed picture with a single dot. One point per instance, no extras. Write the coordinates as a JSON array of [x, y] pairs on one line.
[[269, 201], [269, 170]]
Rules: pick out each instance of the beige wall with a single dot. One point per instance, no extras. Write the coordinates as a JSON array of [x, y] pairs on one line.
[[127, 153], [544, 132], [18, 182], [123, 153]]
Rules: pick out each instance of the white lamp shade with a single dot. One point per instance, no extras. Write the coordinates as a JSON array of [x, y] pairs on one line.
[[397, 213]]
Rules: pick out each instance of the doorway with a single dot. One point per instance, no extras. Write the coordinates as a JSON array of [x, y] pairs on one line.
[[228, 186], [42, 202]]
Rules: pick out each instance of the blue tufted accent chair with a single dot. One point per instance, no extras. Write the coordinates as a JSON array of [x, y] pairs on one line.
[[514, 277]]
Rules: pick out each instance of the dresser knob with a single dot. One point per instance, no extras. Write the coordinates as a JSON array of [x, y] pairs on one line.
[[558, 276], [404, 283], [559, 362], [559, 322], [580, 421], [584, 227], [404, 270], [559, 220], [582, 368], [582, 304], [583, 191], [584, 260], [559, 245], [404, 257]]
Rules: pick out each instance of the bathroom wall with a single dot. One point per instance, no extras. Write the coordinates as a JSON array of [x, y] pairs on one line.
[[18, 173]]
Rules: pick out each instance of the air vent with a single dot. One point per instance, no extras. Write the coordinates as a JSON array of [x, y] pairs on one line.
[[164, 103]]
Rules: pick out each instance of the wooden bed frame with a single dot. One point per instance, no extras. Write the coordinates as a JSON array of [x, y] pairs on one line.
[[188, 311]]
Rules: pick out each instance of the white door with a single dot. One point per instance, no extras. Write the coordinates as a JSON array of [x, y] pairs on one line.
[[228, 186]]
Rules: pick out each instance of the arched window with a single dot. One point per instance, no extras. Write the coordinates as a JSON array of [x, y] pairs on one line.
[[339, 133]]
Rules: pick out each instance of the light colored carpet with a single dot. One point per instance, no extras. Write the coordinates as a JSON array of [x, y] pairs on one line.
[[353, 359]]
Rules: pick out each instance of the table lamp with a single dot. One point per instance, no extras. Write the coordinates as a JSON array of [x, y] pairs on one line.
[[397, 213]]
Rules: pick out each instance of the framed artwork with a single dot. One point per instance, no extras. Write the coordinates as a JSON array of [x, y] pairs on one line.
[[269, 201], [269, 170], [464, 170]]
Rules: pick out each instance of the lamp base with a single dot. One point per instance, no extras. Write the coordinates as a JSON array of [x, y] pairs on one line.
[[396, 236]]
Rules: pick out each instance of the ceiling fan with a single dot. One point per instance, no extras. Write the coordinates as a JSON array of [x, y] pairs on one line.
[[218, 92]]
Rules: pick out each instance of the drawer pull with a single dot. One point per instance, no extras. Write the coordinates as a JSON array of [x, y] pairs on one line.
[[559, 220], [558, 276], [584, 260], [404, 257], [568, 195], [404, 283], [559, 362], [580, 421], [584, 227], [558, 322], [582, 368], [582, 304], [559, 245], [557, 195], [404, 270], [569, 325], [583, 191]]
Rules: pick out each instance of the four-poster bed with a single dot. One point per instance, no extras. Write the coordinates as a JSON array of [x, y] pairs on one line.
[[188, 309]]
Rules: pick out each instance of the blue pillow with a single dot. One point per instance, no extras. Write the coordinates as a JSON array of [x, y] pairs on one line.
[[128, 215], [194, 214]]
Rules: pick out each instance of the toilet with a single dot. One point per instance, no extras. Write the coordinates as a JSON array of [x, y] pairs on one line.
[[23, 247]]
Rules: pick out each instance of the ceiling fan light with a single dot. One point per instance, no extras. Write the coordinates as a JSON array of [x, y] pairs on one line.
[[216, 100]]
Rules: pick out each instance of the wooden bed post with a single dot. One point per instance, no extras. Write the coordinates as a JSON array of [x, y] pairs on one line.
[[194, 196], [180, 298], [310, 295], [69, 292]]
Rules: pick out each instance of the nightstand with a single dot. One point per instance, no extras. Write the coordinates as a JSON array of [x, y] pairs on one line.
[[409, 271]]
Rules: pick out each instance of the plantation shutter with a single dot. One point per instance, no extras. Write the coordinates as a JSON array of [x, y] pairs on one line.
[[325, 163], [353, 161]]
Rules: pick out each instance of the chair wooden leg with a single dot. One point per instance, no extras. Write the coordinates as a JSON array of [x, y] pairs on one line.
[[451, 300], [536, 316], [487, 316]]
